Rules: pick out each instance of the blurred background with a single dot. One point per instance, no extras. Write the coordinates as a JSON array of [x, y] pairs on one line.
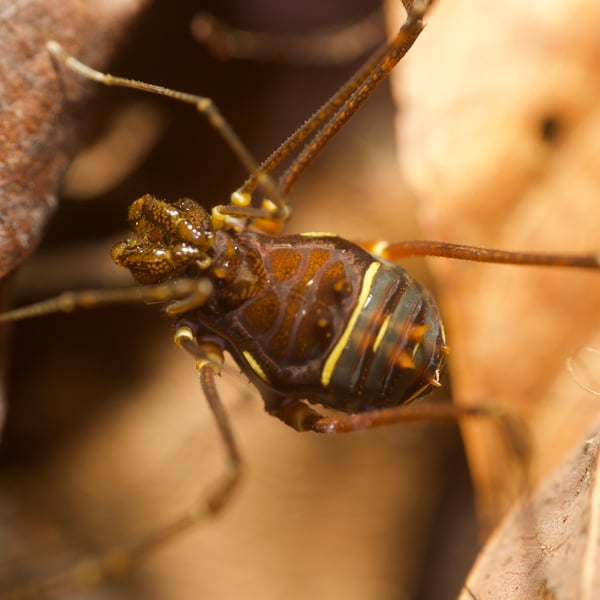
[[108, 435]]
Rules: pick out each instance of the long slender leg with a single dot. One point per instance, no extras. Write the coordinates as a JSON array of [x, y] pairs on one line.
[[380, 68], [327, 46], [117, 562], [323, 114], [182, 294], [337, 109], [302, 417], [276, 209], [397, 251]]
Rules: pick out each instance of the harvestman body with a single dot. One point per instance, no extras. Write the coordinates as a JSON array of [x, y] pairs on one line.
[[309, 317]]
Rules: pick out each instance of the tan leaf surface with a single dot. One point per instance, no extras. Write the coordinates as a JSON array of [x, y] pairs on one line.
[[549, 546], [500, 140]]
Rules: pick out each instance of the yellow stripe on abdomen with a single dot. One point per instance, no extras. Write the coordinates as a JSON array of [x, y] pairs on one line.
[[255, 366], [343, 341]]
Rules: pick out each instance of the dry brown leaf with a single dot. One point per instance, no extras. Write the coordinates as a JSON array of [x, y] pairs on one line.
[[37, 120], [548, 547], [36, 131], [499, 137]]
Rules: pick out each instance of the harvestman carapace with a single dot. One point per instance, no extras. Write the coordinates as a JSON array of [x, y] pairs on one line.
[[308, 318]]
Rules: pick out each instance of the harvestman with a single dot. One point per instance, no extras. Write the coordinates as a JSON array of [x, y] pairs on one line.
[[308, 317]]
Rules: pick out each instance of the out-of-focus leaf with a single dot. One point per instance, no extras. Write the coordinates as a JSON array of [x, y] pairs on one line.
[[36, 132], [37, 120], [500, 139]]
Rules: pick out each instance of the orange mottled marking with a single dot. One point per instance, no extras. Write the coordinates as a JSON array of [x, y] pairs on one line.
[[284, 263], [279, 343], [334, 284], [259, 314]]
